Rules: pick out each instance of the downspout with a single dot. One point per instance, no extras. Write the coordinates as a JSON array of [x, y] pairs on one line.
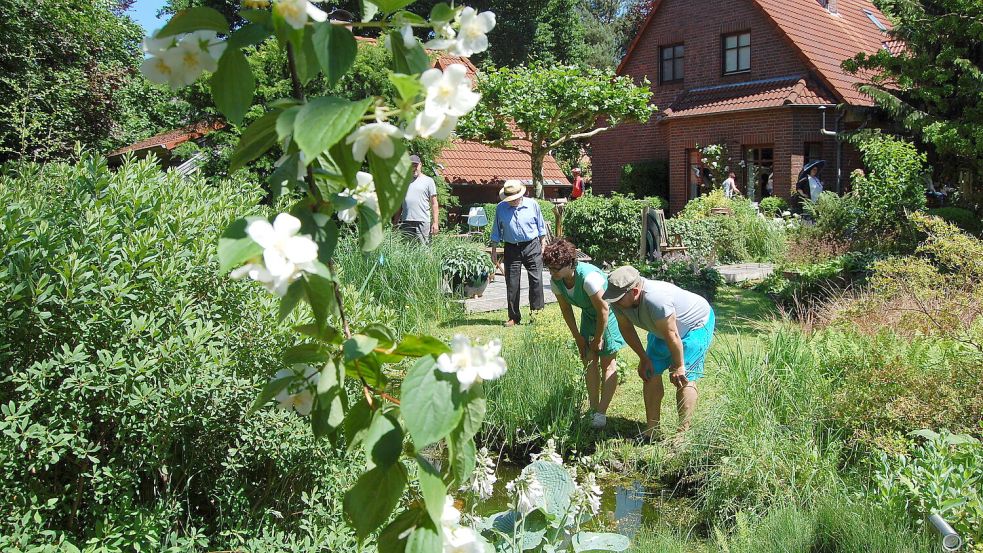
[[839, 146]]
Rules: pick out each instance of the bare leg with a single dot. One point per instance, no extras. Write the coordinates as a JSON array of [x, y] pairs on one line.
[[686, 404], [593, 383], [653, 392], [609, 367]]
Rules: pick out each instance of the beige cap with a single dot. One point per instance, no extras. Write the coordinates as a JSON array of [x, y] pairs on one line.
[[620, 281], [512, 190]]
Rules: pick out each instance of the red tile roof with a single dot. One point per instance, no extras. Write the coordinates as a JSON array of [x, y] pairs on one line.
[[466, 162], [172, 139], [765, 93], [824, 39]]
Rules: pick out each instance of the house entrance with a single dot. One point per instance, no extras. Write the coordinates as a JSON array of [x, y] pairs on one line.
[[759, 164]]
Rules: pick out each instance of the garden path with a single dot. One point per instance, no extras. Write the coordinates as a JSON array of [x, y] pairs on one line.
[[494, 297]]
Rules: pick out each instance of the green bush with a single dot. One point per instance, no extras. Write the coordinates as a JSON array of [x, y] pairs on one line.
[[962, 218], [892, 185], [688, 273], [645, 179], [607, 228], [731, 239], [465, 261], [836, 217], [773, 206], [129, 365]]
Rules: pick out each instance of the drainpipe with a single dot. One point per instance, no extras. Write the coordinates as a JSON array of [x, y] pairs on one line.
[[839, 146]]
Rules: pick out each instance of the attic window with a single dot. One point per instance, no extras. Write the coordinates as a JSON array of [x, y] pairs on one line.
[[830, 5], [873, 19]]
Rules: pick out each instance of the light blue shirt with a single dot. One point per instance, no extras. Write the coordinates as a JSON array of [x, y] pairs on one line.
[[518, 224]]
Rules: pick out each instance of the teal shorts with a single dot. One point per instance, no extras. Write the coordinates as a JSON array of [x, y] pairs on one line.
[[612, 340], [696, 344]]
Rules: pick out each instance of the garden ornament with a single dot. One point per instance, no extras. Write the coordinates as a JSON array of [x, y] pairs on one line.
[[512, 190], [620, 282]]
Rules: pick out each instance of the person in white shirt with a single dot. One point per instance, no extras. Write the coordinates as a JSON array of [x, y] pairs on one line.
[[730, 186]]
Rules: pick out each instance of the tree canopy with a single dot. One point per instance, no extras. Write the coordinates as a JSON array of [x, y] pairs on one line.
[[550, 107], [933, 84]]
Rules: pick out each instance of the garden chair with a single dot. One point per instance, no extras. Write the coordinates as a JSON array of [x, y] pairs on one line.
[[655, 240]]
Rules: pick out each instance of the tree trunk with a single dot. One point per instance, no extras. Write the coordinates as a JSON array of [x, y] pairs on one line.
[[537, 172]]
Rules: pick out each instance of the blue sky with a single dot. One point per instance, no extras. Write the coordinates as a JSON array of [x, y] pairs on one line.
[[144, 12]]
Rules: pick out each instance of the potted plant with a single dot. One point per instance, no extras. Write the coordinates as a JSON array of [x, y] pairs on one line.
[[466, 268]]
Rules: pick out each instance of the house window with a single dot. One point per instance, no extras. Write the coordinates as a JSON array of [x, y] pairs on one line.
[[696, 183], [812, 151], [759, 162], [873, 19], [737, 53], [672, 64]]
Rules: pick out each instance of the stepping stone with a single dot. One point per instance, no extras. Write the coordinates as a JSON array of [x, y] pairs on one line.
[[743, 272]]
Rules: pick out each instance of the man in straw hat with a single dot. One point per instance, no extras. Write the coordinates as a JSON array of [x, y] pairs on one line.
[[680, 328], [519, 224]]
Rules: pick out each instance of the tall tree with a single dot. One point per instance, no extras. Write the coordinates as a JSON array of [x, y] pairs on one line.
[[933, 83], [609, 27], [550, 107], [559, 36]]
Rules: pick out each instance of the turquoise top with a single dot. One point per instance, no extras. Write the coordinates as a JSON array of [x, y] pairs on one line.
[[613, 341]]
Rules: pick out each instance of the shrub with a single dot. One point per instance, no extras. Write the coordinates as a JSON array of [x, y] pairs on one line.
[[688, 273], [130, 364], [773, 206], [892, 185], [645, 179], [740, 237], [607, 228], [962, 218], [465, 261], [836, 217]]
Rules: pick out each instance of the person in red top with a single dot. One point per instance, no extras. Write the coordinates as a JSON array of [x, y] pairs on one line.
[[578, 184]]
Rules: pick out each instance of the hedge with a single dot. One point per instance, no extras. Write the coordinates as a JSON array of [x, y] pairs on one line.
[[607, 228]]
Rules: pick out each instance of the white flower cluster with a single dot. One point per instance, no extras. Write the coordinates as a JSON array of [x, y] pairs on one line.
[[363, 194], [178, 60], [286, 254], [458, 538], [587, 495], [483, 480], [296, 12], [527, 491], [548, 453], [470, 37], [472, 364], [298, 395]]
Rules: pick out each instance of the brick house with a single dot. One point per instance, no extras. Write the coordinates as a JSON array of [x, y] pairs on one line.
[[754, 75]]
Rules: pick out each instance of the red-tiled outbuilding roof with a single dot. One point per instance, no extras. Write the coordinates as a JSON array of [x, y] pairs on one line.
[[466, 162], [172, 139], [764, 93]]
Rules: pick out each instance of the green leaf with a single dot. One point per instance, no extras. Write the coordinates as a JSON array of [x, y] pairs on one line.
[[233, 85], [474, 412], [557, 483], [284, 178], [322, 122], [369, 228], [383, 441], [248, 35], [271, 389], [417, 346], [427, 405], [356, 423], [295, 292], [369, 9], [306, 60], [310, 354], [344, 162], [533, 526], [380, 332], [367, 368], [332, 400], [327, 334], [195, 19], [369, 503], [392, 178], [393, 537], [441, 12], [258, 137], [408, 86], [335, 48], [461, 453], [585, 542], [392, 5], [321, 297], [260, 17], [235, 247], [432, 487], [425, 539], [411, 60], [359, 346], [285, 122]]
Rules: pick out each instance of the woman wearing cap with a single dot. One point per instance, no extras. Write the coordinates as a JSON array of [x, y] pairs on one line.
[[598, 338], [520, 225], [680, 329]]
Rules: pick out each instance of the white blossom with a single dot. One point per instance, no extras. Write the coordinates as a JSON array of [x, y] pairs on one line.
[[548, 453], [296, 12], [472, 363], [472, 33], [431, 125], [179, 60], [286, 255], [529, 493], [444, 36], [406, 31], [483, 480], [462, 540], [376, 136], [449, 91], [298, 395], [451, 516], [587, 495], [363, 194]]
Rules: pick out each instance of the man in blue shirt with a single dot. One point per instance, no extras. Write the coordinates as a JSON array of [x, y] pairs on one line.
[[519, 224]]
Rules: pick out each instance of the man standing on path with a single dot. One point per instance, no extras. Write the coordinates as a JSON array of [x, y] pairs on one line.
[[420, 212], [680, 328], [578, 184], [519, 223]]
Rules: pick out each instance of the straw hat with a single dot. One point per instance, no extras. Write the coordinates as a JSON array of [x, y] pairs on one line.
[[512, 190]]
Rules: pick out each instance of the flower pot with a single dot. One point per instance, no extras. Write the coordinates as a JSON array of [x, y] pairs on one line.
[[476, 287]]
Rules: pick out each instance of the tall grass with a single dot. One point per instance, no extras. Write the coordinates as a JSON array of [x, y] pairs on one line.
[[541, 395], [403, 275]]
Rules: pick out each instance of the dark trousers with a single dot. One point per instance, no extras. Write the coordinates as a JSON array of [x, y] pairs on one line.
[[529, 255]]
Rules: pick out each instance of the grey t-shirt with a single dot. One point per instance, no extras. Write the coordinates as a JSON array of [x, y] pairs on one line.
[[416, 204], [661, 299]]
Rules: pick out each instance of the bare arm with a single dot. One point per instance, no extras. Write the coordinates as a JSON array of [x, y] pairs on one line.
[[669, 332], [435, 213], [571, 321], [603, 312], [631, 337]]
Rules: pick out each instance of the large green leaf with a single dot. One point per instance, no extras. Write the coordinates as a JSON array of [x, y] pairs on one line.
[[408, 61], [383, 441], [248, 35], [408, 86], [233, 85], [324, 121], [335, 48], [235, 247], [474, 412], [391, 5], [557, 484], [427, 403], [369, 228], [369, 9], [432, 487], [392, 178], [311, 354], [283, 179], [306, 60], [359, 346], [321, 297], [332, 400], [417, 346], [393, 537], [369, 503], [195, 19], [295, 293], [356, 423], [285, 122], [461, 454], [585, 542], [425, 539], [258, 137]]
